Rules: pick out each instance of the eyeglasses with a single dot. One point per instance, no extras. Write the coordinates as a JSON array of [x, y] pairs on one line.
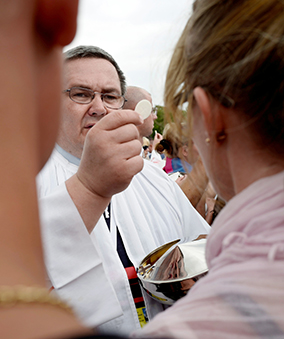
[[85, 96], [154, 111]]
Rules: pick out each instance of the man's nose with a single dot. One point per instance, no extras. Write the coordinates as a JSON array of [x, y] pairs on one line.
[[97, 107]]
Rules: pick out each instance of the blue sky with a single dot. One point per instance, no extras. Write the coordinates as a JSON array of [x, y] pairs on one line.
[[139, 34]]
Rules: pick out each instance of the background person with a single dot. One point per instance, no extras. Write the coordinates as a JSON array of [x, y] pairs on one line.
[[145, 147], [156, 158], [175, 146], [133, 95], [228, 65], [187, 169]]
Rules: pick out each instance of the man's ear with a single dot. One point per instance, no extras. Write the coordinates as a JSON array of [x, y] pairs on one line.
[[57, 21], [210, 110], [184, 150]]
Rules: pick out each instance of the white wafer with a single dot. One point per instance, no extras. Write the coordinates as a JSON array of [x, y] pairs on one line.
[[144, 108]]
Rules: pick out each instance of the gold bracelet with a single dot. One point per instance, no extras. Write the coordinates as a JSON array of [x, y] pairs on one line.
[[12, 295]]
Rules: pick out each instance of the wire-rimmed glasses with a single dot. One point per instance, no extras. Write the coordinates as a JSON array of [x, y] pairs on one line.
[[84, 96], [154, 111]]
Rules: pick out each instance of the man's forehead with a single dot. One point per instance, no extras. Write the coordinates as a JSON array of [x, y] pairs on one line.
[[84, 64], [86, 70], [147, 96]]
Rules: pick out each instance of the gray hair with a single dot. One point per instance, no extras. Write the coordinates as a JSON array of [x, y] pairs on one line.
[[95, 52]]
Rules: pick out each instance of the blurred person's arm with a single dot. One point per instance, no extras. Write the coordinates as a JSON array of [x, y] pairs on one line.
[[197, 188], [194, 183]]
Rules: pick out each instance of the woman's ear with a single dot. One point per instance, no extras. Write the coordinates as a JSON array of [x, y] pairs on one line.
[[203, 102], [210, 110], [57, 21]]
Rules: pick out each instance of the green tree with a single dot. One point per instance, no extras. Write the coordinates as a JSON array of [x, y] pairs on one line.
[[159, 122]]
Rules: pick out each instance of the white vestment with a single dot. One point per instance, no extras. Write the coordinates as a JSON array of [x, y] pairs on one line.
[[85, 269]]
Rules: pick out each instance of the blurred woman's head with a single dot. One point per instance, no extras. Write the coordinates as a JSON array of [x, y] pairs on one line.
[[171, 141], [234, 51], [175, 143]]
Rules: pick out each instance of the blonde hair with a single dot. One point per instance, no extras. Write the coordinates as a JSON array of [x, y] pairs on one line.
[[233, 49]]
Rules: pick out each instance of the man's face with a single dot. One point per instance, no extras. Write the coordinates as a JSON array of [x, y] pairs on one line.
[[98, 75], [149, 125]]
